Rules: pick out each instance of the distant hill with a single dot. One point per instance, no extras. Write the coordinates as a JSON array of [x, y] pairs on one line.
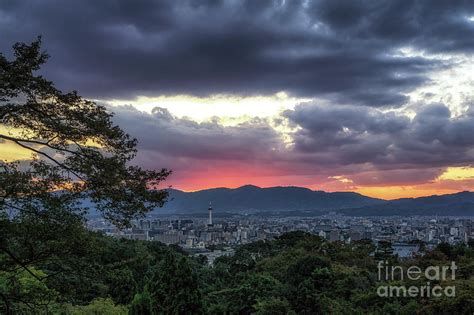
[[458, 204], [304, 201], [255, 199]]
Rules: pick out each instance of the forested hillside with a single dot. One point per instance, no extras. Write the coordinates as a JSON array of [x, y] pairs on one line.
[[297, 273], [304, 201], [252, 198]]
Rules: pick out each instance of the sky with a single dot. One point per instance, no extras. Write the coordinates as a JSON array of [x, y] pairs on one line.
[[374, 97]]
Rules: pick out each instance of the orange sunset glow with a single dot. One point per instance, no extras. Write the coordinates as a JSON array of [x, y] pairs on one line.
[[236, 174], [383, 192]]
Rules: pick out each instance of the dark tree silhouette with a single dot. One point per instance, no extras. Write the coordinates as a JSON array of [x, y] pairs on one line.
[[77, 153]]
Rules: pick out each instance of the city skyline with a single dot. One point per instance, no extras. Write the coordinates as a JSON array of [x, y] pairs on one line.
[[375, 98]]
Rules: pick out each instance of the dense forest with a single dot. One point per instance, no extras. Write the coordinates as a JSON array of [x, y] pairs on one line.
[[297, 273]]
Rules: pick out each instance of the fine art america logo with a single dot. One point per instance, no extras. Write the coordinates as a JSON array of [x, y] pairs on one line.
[[432, 276]]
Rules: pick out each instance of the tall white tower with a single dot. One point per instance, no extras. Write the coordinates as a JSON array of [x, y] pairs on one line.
[[210, 213]]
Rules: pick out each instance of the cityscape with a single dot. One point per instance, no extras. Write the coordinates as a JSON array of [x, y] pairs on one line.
[[212, 237]]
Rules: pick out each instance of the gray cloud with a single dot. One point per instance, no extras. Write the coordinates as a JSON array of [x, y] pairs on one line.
[[180, 137], [369, 146], [342, 51], [356, 135]]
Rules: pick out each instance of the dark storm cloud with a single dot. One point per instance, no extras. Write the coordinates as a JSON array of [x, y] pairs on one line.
[[343, 51], [437, 26]]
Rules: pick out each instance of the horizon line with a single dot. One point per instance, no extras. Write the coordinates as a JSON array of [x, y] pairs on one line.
[[303, 187]]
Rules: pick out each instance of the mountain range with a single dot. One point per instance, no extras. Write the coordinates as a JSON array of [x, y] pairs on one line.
[[457, 204], [298, 200]]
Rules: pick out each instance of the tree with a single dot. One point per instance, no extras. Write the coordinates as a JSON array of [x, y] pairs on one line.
[[273, 306], [141, 304], [98, 306], [77, 154], [470, 242], [22, 292], [384, 250], [446, 249], [122, 285], [174, 287]]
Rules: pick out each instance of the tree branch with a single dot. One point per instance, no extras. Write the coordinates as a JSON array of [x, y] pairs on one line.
[[19, 262], [18, 141]]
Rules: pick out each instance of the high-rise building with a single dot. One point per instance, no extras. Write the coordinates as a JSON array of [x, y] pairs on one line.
[[210, 214]]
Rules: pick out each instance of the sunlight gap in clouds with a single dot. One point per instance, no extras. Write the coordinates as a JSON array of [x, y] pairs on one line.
[[450, 85], [10, 152], [342, 179], [228, 107], [408, 191], [457, 173]]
